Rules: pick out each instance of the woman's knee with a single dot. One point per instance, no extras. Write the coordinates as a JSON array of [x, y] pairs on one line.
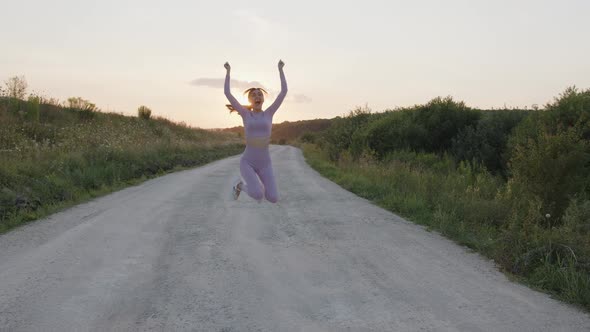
[[256, 193]]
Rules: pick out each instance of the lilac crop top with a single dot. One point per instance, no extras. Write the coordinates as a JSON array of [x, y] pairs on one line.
[[257, 124]]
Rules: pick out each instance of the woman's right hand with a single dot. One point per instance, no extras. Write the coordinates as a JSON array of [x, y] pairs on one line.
[[227, 67]]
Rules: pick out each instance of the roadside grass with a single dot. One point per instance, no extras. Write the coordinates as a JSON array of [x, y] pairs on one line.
[[471, 207], [63, 158]]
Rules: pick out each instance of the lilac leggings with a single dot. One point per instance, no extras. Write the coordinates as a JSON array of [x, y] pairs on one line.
[[255, 164]]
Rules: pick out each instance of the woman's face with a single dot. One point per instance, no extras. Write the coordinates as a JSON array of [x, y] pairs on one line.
[[256, 98]]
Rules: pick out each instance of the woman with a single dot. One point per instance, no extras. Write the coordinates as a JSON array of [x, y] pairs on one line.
[[255, 164]]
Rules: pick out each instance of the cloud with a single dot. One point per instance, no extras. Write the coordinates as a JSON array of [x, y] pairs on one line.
[[256, 23], [299, 99], [217, 83]]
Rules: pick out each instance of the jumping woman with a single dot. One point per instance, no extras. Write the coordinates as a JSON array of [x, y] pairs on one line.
[[255, 164]]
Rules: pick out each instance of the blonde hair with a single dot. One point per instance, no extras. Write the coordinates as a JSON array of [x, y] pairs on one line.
[[248, 92]]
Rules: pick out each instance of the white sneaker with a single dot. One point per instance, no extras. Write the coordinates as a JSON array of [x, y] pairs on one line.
[[235, 189]]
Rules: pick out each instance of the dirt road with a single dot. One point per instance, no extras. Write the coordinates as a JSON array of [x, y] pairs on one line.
[[176, 253]]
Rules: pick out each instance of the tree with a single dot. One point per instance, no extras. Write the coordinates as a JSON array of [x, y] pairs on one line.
[[16, 87]]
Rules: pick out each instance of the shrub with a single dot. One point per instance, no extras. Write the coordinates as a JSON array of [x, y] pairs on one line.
[[429, 128], [486, 142], [83, 107], [143, 112], [550, 153], [577, 217], [394, 131], [339, 135], [570, 109], [308, 137], [553, 168], [441, 120]]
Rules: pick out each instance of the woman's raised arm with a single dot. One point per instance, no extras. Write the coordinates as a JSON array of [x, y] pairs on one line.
[[232, 100], [281, 96]]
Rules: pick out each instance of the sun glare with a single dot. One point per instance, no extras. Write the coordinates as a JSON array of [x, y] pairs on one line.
[[244, 99]]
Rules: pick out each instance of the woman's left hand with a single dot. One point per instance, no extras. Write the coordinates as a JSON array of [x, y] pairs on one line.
[[281, 64]]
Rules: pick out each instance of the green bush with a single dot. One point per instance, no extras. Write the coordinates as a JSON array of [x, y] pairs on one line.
[[441, 120], [486, 142], [308, 137], [394, 131], [552, 168], [550, 153], [570, 110], [576, 219], [429, 128], [338, 136]]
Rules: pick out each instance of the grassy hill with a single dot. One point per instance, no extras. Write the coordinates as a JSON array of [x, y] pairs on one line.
[[52, 156]]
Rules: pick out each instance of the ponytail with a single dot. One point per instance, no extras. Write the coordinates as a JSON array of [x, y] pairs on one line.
[[232, 109]]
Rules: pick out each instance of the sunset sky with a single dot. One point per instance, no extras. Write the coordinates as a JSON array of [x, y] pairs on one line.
[[339, 55]]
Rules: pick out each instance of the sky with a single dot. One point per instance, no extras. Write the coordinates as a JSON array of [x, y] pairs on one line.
[[339, 55]]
